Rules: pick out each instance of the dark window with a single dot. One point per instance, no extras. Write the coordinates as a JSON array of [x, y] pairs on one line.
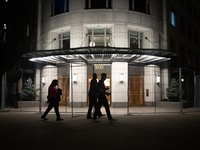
[[182, 25], [67, 5], [172, 45], [182, 2], [190, 32], [195, 37], [109, 4], [189, 6], [141, 6], [95, 4], [98, 4], [130, 4], [59, 7], [86, 4], [183, 56]]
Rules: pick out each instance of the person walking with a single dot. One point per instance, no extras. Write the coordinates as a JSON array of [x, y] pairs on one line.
[[53, 98], [93, 94], [102, 99]]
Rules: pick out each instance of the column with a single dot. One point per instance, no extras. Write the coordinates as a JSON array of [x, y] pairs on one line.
[[79, 87], [119, 92]]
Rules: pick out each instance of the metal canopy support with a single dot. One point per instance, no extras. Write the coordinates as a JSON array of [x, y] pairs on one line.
[[40, 100], [3, 90], [180, 91]]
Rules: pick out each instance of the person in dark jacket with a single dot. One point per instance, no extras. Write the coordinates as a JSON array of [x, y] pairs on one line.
[[93, 94], [102, 100], [53, 98]]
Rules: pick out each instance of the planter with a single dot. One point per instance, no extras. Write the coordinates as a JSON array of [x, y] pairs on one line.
[[173, 99], [27, 104]]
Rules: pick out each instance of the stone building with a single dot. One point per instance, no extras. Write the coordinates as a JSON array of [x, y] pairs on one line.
[[140, 44]]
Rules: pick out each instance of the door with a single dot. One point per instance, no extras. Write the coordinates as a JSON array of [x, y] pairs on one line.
[[136, 90], [106, 82], [63, 83]]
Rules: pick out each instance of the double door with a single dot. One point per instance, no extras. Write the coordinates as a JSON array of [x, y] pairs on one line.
[[136, 91], [63, 83]]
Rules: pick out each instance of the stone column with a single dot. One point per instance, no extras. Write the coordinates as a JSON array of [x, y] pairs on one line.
[[78, 89], [119, 92]]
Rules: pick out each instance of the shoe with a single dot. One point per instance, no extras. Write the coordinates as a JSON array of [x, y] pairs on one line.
[[44, 118], [112, 120], [101, 115], [59, 119]]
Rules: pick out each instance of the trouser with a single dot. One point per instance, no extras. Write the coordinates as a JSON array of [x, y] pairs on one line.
[[53, 103], [92, 102], [103, 101]]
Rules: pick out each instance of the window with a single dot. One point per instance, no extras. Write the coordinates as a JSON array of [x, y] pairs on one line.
[[98, 4], [190, 32], [182, 2], [182, 25], [64, 40], [195, 12], [59, 6], [139, 5], [135, 39], [183, 56], [99, 37], [172, 45], [195, 37], [189, 6], [172, 17]]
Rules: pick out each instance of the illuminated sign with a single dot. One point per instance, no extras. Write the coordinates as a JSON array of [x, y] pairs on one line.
[[99, 67]]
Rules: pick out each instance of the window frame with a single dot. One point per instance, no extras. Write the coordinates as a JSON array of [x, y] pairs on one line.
[[61, 39], [105, 35], [140, 43]]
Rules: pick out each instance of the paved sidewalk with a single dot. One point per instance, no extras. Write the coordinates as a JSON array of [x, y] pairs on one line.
[[26, 131]]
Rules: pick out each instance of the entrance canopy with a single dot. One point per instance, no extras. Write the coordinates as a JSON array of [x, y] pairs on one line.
[[100, 55]]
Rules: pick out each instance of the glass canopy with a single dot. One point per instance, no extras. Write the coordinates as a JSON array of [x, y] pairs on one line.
[[98, 55]]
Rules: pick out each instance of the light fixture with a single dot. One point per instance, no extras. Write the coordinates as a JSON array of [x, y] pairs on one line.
[[182, 79], [158, 79], [121, 77], [75, 78], [92, 44], [43, 80]]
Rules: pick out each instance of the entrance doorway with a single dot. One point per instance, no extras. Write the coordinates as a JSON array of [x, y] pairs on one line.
[[63, 83], [136, 91], [106, 82]]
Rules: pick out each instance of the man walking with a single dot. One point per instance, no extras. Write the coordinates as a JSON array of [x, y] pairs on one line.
[[93, 94], [102, 99]]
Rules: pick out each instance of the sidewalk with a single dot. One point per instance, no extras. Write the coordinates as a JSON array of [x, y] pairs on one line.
[[26, 131]]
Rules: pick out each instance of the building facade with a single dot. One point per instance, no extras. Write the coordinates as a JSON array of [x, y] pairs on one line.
[[134, 41]]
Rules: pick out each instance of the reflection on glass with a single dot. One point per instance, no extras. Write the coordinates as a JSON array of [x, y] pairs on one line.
[[133, 42]]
